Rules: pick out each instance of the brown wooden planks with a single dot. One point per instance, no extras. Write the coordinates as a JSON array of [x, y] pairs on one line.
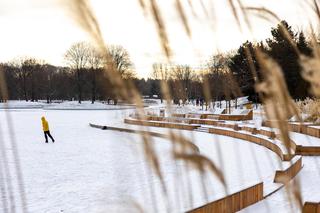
[[234, 202], [284, 176]]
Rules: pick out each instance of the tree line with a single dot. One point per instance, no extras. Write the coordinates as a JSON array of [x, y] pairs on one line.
[[229, 75], [223, 77], [84, 78]]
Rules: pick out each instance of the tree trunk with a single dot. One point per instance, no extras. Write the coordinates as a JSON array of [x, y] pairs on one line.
[[93, 90], [236, 103], [79, 86], [25, 88], [32, 89]]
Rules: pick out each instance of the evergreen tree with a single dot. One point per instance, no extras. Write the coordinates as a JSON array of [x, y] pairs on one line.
[[239, 66], [281, 48]]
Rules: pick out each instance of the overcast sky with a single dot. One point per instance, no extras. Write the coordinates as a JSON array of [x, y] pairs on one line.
[[44, 29]]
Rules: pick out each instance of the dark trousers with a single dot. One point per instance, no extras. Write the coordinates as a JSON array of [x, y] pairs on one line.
[[48, 133]]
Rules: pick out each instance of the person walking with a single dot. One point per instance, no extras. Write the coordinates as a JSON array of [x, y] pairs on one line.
[[46, 131]]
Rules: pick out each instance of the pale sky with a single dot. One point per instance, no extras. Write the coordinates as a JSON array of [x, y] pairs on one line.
[[44, 29]]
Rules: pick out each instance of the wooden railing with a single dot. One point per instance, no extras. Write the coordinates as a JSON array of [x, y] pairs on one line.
[[227, 117], [299, 128], [234, 202], [244, 198], [312, 131], [284, 176], [165, 122], [141, 132], [308, 150], [230, 117], [161, 124], [254, 139], [311, 207]]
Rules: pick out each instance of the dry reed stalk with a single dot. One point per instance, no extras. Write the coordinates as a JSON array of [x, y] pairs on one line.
[[15, 150], [83, 14], [311, 67], [263, 13], [316, 8], [278, 104], [85, 17], [271, 87], [161, 28], [143, 5], [235, 13], [184, 145], [244, 14], [183, 17], [192, 9], [204, 9], [201, 162], [6, 183], [153, 159]]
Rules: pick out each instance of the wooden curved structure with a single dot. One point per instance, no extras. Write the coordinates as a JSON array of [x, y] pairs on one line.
[[221, 116], [307, 129], [264, 137], [233, 202]]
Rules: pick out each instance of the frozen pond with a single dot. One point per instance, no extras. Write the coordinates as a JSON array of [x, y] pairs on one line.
[[90, 170]]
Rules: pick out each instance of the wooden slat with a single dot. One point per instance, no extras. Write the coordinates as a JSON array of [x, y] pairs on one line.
[[311, 207], [234, 202], [308, 150], [161, 124], [251, 138], [284, 176]]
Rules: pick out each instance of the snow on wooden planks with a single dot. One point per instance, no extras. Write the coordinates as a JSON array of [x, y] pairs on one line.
[[162, 124], [304, 128], [288, 173]]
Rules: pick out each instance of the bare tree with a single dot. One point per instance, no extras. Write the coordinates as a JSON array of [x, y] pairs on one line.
[[122, 62], [218, 62], [77, 57], [216, 76], [161, 73], [25, 67], [21, 75], [182, 77], [49, 71], [221, 82], [33, 67], [95, 63]]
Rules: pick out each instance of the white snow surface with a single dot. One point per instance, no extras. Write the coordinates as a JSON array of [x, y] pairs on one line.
[[91, 170], [309, 179], [66, 105]]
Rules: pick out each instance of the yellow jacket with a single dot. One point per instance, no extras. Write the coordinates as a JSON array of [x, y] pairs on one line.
[[45, 125]]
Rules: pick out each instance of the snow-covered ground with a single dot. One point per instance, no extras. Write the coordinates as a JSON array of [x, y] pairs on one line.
[[66, 105], [281, 202], [90, 170]]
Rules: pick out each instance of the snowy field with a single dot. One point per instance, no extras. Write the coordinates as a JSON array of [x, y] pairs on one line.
[[90, 170], [66, 105]]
